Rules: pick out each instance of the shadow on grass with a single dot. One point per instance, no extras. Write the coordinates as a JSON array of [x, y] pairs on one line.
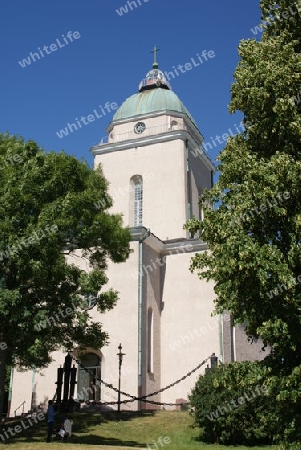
[[82, 424], [92, 439], [82, 421]]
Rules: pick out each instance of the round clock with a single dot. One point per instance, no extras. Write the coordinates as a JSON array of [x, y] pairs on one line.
[[139, 127], [88, 301]]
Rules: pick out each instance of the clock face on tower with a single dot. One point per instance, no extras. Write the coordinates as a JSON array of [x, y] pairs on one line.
[[139, 127], [88, 301]]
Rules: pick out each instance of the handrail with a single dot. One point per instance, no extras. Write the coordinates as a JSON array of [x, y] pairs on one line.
[[22, 404]]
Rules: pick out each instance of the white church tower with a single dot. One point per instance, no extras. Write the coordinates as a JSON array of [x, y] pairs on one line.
[[157, 170]]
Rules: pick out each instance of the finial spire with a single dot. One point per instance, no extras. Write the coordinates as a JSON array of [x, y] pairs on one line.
[[155, 64]]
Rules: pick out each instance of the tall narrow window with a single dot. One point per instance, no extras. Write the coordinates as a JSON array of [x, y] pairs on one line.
[[150, 338], [137, 184]]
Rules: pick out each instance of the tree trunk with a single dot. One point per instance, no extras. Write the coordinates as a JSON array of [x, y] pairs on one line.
[[3, 359]]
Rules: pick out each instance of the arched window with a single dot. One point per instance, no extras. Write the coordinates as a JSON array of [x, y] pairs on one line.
[[88, 387], [150, 341], [174, 125], [137, 199]]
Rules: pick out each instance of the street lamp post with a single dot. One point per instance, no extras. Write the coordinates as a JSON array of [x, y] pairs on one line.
[[120, 356]]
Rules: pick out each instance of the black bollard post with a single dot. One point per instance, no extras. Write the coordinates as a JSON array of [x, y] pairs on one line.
[[213, 360], [207, 369]]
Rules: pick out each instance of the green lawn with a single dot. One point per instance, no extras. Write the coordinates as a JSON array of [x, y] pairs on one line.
[[110, 431]]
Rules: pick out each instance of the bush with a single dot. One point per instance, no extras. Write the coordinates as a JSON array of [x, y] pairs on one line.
[[232, 405], [249, 403]]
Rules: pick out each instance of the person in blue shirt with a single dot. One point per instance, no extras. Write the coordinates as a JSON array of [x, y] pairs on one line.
[[50, 419]]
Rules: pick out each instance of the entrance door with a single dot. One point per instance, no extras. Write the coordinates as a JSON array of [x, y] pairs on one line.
[[87, 387]]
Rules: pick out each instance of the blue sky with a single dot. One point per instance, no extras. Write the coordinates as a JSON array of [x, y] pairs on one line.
[[109, 56]]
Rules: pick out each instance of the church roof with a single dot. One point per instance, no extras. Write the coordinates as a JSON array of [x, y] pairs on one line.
[[149, 101], [155, 94]]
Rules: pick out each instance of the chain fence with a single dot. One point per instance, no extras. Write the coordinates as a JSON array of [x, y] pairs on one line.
[[142, 398]]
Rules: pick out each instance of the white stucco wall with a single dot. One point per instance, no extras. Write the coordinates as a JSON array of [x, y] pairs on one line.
[[42, 382], [188, 332], [121, 324]]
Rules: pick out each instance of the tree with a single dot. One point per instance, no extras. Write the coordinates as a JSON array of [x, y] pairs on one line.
[[254, 233], [52, 207]]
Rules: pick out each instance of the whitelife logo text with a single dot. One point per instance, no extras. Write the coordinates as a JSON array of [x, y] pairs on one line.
[[49, 48]]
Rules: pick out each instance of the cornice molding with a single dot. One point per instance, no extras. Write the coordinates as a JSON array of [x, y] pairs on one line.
[[165, 248], [183, 135]]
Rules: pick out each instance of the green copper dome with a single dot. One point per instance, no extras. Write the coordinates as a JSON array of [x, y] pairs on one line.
[[155, 95], [149, 101]]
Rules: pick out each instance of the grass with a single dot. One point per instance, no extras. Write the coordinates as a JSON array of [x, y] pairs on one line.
[[113, 431]]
